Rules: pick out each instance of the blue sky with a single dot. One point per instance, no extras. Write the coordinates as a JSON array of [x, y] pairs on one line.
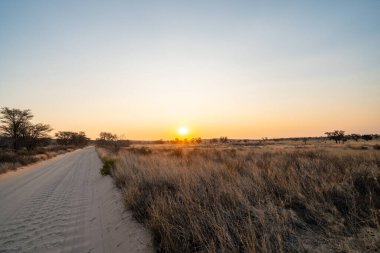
[[237, 68]]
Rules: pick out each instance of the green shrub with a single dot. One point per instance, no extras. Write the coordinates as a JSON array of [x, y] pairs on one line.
[[108, 165]]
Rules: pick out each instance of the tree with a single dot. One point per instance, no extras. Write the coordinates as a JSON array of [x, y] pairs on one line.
[[14, 122], [33, 135], [196, 140], [105, 136], [63, 137], [223, 139], [80, 139], [71, 138], [367, 137], [355, 137], [336, 135], [17, 125], [109, 140]]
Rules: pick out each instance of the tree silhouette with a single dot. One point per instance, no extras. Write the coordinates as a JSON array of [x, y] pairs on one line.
[[105, 136], [367, 137], [17, 125], [71, 138], [34, 134], [336, 135], [223, 139], [355, 137], [14, 122]]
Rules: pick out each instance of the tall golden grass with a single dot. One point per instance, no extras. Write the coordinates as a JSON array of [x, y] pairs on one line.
[[244, 200]]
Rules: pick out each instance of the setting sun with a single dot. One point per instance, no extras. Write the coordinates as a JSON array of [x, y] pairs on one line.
[[183, 130]]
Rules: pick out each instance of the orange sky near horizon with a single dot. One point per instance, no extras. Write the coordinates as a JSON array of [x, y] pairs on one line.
[[271, 124]]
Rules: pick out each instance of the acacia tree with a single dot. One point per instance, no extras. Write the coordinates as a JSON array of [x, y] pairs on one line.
[[196, 140], [71, 138], [367, 137], [109, 140], [105, 136], [16, 124], [35, 134], [336, 135], [223, 139], [355, 137]]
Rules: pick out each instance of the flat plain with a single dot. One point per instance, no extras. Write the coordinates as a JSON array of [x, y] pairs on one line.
[[255, 196]]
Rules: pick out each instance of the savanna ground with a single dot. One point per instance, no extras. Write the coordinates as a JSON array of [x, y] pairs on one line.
[[284, 196], [11, 159]]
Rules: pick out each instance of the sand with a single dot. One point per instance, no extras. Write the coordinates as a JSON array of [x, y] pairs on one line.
[[65, 205]]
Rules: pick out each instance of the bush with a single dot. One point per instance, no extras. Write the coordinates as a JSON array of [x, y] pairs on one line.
[[108, 165], [376, 147]]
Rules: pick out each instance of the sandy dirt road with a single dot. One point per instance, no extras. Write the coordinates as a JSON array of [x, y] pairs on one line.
[[65, 205]]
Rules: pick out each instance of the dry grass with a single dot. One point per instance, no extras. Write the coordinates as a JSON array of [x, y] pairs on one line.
[[254, 200], [11, 160]]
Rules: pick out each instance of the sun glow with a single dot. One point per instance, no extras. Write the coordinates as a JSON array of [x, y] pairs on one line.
[[183, 130]]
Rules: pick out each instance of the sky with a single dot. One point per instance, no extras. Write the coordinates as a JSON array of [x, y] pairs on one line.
[[242, 69]]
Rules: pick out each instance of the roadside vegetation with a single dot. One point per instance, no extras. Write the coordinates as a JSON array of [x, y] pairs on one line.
[[23, 142], [112, 143], [284, 196], [11, 160], [108, 166]]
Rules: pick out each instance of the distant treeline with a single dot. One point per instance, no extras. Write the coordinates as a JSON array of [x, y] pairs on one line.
[[338, 136], [108, 139], [17, 131]]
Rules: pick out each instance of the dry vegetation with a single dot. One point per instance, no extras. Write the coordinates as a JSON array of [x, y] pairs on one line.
[[11, 160], [253, 199]]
